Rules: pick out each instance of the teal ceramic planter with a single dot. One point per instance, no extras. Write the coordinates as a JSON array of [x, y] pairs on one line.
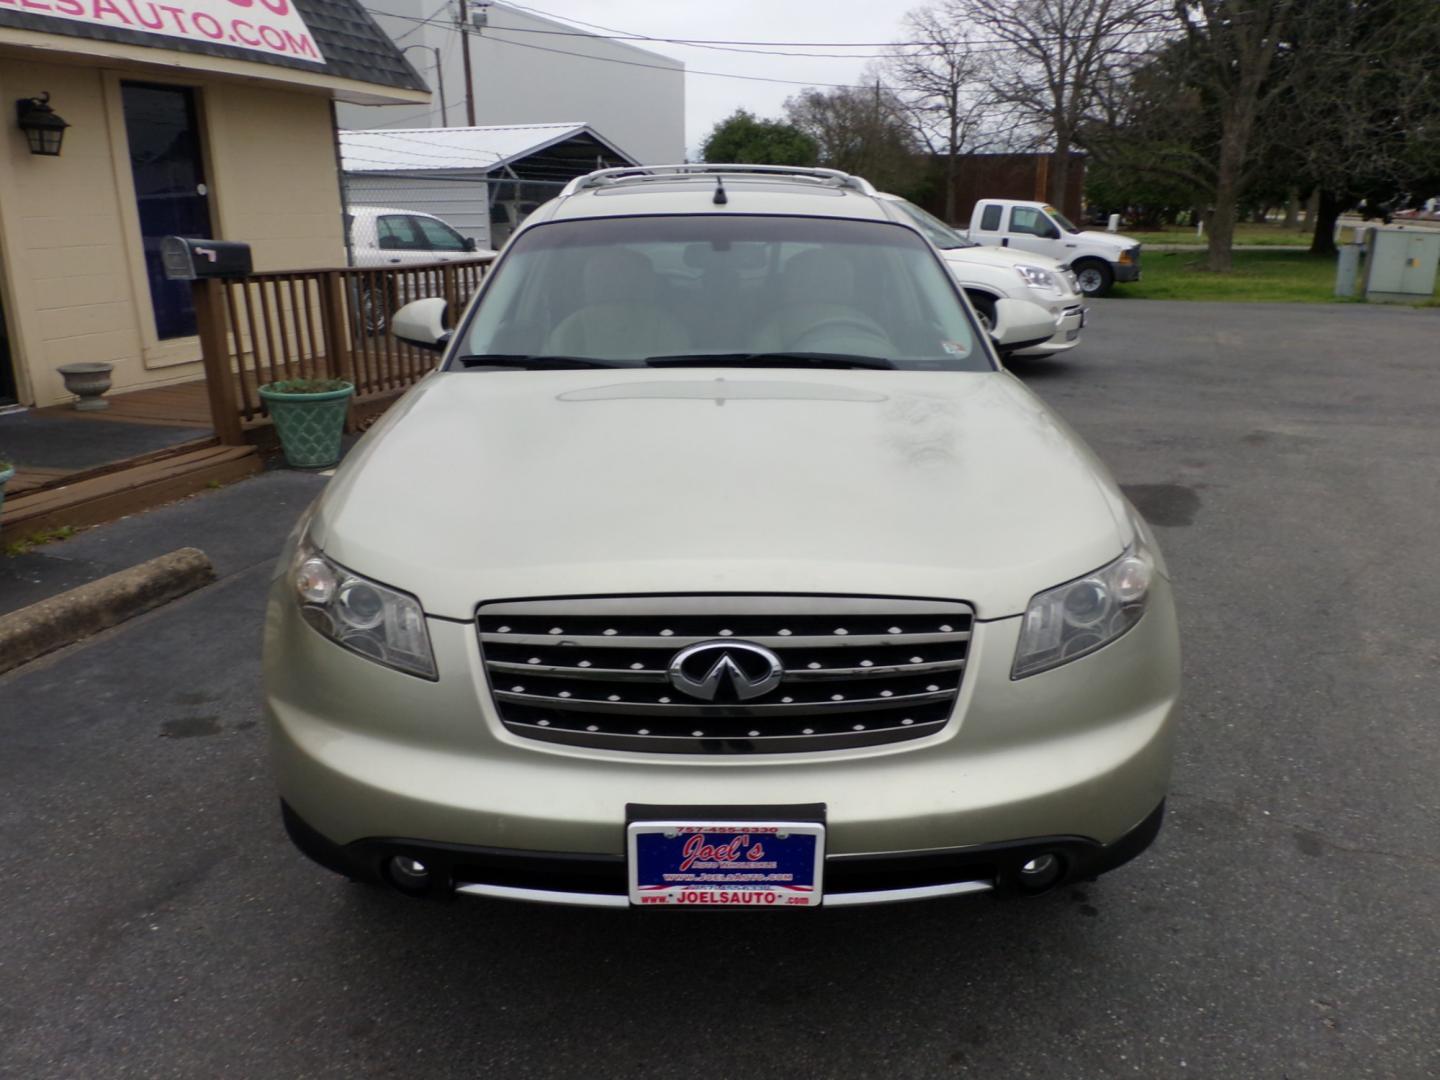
[[309, 425], [6, 472]]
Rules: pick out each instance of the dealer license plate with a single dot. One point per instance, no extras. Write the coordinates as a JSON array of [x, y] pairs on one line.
[[769, 864]]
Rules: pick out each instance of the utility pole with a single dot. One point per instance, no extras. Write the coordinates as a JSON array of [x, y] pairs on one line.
[[439, 80], [463, 22]]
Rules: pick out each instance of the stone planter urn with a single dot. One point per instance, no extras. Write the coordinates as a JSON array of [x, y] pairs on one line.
[[88, 382], [6, 472]]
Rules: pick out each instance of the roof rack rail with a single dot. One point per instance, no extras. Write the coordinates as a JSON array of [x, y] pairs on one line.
[[643, 173]]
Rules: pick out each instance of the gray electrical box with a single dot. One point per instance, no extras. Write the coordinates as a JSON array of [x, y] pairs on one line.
[[1401, 263], [185, 259]]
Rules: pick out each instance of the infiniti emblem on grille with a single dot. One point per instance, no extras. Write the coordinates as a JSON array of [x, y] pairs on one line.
[[703, 668]]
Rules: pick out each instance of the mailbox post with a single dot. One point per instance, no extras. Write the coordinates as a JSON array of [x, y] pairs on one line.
[[206, 264]]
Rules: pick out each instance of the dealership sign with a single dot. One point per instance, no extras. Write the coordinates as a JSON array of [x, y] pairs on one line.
[[273, 27]]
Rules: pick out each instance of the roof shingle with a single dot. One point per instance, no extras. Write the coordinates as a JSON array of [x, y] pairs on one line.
[[352, 43]]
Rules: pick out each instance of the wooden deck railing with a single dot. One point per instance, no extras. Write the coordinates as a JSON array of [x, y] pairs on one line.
[[315, 324]]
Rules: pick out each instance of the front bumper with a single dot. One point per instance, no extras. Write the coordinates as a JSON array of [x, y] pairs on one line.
[[1070, 320], [362, 752], [588, 880], [1126, 271]]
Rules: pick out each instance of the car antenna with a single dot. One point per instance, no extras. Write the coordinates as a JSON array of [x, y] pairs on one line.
[[720, 197]]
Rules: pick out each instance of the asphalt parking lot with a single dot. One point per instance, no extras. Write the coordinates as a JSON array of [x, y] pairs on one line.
[[1286, 923]]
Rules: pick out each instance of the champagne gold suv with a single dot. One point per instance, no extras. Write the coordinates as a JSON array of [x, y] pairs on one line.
[[721, 563]]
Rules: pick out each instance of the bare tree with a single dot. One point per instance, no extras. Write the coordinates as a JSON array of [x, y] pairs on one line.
[[1051, 59], [936, 77], [862, 130]]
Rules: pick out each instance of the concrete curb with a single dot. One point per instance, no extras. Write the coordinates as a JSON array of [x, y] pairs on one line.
[[87, 609]]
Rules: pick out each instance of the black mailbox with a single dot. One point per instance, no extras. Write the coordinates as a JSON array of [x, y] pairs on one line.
[[186, 259]]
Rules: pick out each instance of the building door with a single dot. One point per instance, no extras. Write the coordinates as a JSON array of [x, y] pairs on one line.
[[169, 188], [7, 369]]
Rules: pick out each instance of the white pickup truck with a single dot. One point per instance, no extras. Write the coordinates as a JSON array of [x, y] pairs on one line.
[[1099, 259]]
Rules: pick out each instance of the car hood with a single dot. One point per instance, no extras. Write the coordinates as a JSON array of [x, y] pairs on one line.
[[1118, 241], [998, 256], [481, 486]]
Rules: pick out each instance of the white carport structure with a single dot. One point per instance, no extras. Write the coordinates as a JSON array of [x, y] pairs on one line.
[[482, 180]]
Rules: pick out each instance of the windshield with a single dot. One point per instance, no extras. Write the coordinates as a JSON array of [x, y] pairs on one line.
[[936, 231], [733, 289], [1061, 220]]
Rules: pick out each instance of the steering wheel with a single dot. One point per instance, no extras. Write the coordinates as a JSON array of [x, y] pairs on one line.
[[852, 324]]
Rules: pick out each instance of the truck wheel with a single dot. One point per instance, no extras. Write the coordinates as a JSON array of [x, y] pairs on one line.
[[984, 309], [1095, 277], [373, 307]]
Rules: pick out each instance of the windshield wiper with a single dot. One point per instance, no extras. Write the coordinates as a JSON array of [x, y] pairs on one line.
[[538, 363], [773, 360]]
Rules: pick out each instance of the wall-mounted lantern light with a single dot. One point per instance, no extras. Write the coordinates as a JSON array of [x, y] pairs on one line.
[[43, 129]]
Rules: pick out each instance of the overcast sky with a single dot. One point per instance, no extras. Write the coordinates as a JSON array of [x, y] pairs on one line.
[[709, 99]]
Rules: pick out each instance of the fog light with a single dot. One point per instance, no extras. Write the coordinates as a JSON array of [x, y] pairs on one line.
[[409, 873], [1041, 872]]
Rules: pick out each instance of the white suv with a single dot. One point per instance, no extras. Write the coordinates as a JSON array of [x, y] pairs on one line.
[[988, 274], [720, 563]]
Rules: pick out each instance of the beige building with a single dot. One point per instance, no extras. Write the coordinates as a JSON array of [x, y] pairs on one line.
[[213, 120]]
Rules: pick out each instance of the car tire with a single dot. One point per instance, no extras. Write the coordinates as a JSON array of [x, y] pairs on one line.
[[1095, 277], [372, 310], [984, 306]]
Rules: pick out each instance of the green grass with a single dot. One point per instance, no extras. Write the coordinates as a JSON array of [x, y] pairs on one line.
[[1246, 233], [1258, 276], [36, 539]]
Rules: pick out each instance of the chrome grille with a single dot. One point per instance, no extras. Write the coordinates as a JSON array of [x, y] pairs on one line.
[[595, 671]]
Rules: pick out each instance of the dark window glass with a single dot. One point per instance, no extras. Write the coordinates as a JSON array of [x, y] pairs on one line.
[[990, 220], [437, 236], [396, 233], [1031, 222], [629, 289], [170, 192]]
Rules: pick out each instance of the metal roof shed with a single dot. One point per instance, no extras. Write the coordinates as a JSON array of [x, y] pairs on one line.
[[482, 180]]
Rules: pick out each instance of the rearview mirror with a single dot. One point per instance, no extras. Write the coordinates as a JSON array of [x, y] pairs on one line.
[[423, 323], [1020, 324]]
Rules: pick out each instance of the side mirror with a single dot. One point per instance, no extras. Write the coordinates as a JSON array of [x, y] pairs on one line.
[[1018, 325], [470, 244], [423, 323]]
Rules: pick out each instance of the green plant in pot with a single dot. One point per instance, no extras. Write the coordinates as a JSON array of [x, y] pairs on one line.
[[309, 416]]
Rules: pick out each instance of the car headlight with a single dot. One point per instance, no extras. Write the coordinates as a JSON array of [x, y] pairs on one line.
[[373, 620], [1071, 620], [1038, 277]]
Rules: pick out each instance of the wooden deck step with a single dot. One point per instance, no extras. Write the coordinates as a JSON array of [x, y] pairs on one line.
[[115, 494], [180, 405], [28, 478]]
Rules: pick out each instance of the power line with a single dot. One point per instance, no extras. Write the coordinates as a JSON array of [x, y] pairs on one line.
[[972, 45], [441, 10], [615, 34], [490, 36]]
